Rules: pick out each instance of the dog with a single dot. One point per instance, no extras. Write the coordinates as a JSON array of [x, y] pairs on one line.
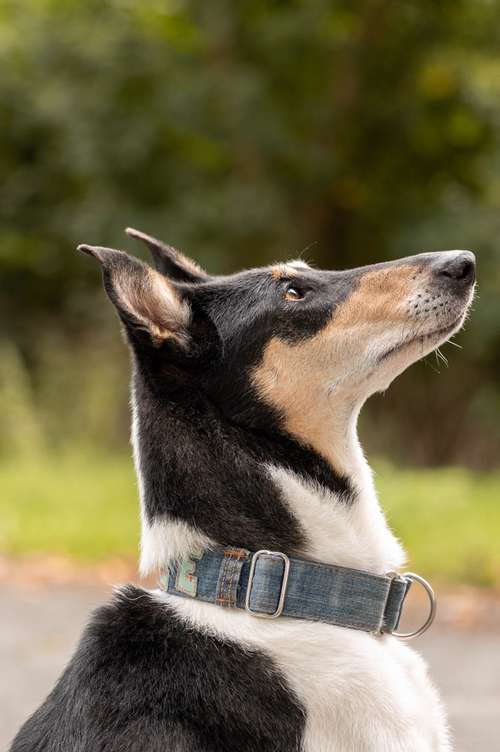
[[245, 397]]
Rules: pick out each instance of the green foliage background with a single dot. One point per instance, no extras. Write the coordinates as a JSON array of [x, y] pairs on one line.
[[345, 132]]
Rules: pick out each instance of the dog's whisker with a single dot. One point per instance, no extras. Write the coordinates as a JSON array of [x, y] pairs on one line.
[[441, 357]]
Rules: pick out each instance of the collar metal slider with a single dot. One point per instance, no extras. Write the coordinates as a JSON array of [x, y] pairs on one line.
[[284, 582]]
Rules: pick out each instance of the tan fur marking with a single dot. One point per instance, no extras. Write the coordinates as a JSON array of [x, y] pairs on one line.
[[376, 298], [295, 378], [151, 299], [282, 271], [286, 380], [188, 263]]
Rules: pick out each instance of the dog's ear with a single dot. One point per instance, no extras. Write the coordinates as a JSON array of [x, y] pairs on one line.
[[169, 261], [153, 308]]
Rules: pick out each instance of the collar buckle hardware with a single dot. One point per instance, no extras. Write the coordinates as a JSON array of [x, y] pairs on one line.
[[284, 583]]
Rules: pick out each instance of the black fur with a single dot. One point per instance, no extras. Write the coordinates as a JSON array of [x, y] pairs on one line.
[[210, 471], [219, 430], [168, 260], [204, 432], [140, 680]]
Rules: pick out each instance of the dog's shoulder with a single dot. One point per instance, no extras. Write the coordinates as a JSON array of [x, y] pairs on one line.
[[93, 700], [141, 679]]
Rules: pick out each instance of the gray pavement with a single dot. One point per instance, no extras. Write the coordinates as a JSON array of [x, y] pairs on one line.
[[39, 628]]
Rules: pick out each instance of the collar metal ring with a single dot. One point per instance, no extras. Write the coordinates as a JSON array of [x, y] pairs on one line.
[[432, 607]]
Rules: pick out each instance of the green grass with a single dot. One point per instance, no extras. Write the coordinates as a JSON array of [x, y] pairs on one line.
[[86, 508], [80, 506], [447, 519]]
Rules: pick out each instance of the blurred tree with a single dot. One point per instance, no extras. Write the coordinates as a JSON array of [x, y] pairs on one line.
[[244, 132]]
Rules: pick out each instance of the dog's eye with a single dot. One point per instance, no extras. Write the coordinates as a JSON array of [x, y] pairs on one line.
[[293, 293]]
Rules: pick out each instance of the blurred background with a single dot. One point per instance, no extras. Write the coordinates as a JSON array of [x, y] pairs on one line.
[[243, 133]]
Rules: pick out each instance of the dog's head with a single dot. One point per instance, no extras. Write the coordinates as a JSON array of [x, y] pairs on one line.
[[286, 341]]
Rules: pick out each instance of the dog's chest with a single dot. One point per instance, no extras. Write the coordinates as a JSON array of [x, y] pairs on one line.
[[358, 692]]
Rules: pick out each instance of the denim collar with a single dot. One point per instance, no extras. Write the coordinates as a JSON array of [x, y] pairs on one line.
[[269, 584]]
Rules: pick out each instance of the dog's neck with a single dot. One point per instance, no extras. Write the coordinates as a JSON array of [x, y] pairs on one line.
[[356, 534], [206, 482]]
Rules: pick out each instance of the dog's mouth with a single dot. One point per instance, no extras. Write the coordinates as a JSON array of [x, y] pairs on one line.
[[437, 336]]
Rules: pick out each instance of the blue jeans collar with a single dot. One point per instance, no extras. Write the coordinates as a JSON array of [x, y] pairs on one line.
[[269, 584]]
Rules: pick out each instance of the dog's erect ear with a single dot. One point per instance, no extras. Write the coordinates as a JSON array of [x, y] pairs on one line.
[[169, 261], [151, 306]]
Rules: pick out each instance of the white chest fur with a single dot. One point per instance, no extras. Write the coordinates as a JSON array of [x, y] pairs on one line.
[[361, 693]]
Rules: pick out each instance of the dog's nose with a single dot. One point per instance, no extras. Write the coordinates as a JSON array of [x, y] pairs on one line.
[[457, 266]]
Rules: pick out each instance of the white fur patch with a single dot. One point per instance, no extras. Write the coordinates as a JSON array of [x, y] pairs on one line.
[[167, 540], [361, 693], [350, 535]]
